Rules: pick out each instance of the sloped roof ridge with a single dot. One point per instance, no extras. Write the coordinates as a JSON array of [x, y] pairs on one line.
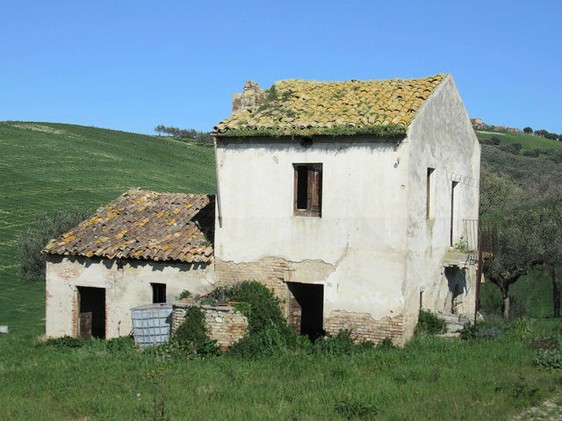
[[142, 224], [379, 107]]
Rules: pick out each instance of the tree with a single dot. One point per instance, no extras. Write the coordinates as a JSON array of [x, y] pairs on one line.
[[547, 220], [527, 130], [46, 227], [510, 248]]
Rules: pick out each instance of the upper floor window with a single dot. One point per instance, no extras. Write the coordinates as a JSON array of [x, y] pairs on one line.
[[308, 189]]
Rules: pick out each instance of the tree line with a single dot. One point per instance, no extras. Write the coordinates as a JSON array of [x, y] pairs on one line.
[[543, 133], [190, 135]]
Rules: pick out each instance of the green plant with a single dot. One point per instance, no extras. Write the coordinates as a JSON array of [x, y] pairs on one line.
[[191, 336], [65, 342], [185, 294], [548, 359], [352, 409], [121, 344], [429, 323], [340, 344]]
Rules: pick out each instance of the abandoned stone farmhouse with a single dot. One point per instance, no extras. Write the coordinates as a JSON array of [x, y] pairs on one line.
[[356, 202]]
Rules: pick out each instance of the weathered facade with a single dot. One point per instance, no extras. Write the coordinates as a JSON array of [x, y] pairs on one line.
[[347, 199], [143, 247]]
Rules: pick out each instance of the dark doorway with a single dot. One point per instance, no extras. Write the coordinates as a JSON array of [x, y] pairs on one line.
[[91, 303], [158, 293], [306, 309], [457, 289]]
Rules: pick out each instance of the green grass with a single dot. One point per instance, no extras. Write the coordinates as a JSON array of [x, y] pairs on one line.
[[430, 379], [47, 166], [527, 140]]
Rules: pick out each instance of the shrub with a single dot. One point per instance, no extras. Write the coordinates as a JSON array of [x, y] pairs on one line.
[[191, 336], [185, 294], [548, 359], [340, 344], [264, 343], [429, 323], [65, 342], [476, 331], [268, 330], [46, 227], [121, 344]]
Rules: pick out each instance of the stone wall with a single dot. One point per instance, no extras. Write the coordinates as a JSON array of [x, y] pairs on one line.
[[365, 328], [223, 323]]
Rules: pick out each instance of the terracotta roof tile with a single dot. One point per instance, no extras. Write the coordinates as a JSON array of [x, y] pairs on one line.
[[301, 107], [145, 225]]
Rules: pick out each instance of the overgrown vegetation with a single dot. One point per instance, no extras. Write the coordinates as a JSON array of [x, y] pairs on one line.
[[46, 226], [429, 323], [191, 337], [490, 379]]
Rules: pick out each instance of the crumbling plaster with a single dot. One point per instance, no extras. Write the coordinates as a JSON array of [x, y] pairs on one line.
[[127, 285]]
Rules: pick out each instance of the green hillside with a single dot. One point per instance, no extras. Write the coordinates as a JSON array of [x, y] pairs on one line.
[[528, 141], [47, 166]]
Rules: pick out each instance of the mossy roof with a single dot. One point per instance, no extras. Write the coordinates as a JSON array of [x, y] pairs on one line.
[[384, 108], [145, 225]]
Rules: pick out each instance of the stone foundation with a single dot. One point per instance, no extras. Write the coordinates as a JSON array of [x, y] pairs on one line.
[[223, 323], [364, 328]]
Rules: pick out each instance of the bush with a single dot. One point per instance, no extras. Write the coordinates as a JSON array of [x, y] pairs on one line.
[[65, 342], [268, 330], [121, 344], [340, 344], [548, 359], [191, 336], [46, 227], [429, 323], [477, 332]]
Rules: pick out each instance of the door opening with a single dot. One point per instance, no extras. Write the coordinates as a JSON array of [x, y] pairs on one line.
[[91, 320], [306, 309]]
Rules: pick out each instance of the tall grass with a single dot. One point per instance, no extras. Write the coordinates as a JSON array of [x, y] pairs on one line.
[[431, 378]]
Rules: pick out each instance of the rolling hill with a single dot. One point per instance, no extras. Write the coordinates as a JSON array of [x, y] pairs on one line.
[[48, 166]]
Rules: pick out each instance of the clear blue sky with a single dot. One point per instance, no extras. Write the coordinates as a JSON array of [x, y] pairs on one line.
[[133, 64]]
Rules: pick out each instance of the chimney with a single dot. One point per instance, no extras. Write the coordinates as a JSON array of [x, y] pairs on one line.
[[251, 97]]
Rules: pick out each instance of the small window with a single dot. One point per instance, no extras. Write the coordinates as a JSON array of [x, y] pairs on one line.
[[308, 189], [428, 195], [158, 293]]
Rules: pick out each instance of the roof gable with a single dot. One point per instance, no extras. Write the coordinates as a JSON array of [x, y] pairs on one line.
[[384, 108], [145, 225]]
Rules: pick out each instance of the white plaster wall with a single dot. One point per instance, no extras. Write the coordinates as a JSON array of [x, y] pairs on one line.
[[127, 286], [362, 230], [440, 137]]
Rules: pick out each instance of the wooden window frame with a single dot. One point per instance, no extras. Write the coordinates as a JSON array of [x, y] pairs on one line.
[[307, 194]]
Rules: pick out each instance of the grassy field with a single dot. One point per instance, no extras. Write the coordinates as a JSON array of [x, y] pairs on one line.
[[527, 140], [46, 166], [430, 379]]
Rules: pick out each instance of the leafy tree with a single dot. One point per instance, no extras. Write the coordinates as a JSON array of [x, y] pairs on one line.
[[527, 130], [546, 206], [511, 247], [46, 227]]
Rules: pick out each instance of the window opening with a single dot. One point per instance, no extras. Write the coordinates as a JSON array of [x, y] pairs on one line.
[[158, 293], [428, 207], [453, 186], [308, 189]]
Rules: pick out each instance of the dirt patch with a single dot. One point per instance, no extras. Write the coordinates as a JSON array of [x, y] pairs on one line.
[[38, 128], [550, 410]]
